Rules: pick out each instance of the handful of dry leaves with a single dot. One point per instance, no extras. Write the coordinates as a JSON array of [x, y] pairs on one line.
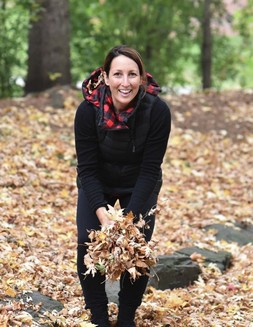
[[120, 247]]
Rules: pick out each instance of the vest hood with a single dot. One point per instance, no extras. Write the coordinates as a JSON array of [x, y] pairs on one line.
[[93, 87]]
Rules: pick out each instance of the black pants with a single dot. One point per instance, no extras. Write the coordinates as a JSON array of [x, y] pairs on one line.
[[131, 293]]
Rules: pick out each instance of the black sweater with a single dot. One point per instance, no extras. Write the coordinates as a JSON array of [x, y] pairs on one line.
[[88, 155]]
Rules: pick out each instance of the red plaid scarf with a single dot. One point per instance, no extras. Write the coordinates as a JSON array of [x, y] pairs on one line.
[[96, 92]]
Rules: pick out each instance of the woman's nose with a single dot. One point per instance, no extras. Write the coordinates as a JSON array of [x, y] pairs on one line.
[[125, 80]]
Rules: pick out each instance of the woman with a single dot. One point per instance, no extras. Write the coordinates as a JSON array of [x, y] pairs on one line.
[[121, 133]]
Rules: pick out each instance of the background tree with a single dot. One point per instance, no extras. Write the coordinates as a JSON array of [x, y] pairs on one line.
[[206, 53], [49, 51]]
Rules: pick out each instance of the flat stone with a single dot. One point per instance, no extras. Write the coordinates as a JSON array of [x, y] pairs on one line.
[[171, 271], [241, 236], [31, 298], [47, 303], [174, 271], [221, 258], [177, 270], [56, 98], [245, 226], [112, 289]]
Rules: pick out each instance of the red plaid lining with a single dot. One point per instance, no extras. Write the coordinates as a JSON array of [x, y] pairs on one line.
[[96, 92]]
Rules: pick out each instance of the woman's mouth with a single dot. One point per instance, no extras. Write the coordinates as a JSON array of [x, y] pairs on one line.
[[124, 92]]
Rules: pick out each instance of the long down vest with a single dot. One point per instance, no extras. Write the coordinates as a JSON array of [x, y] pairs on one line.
[[120, 151]]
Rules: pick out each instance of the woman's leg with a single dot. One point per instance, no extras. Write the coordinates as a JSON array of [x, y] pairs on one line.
[[93, 287], [131, 293]]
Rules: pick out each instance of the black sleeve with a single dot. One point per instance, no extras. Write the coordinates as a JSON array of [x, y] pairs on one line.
[[86, 143], [154, 152]]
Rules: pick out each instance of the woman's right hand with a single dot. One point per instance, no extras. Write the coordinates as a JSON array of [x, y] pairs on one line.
[[104, 217]]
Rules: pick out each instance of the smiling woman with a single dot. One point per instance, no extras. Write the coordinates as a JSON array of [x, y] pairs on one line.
[[121, 133]]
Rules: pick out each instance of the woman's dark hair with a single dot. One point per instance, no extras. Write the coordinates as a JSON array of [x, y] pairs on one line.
[[128, 52]]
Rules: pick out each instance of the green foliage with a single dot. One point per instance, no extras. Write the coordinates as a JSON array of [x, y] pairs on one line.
[[54, 76], [85, 54], [226, 60], [243, 23], [162, 31], [13, 48], [167, 33], [15, 17]]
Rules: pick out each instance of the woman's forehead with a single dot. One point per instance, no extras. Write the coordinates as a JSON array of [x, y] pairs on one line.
[[123, 63]]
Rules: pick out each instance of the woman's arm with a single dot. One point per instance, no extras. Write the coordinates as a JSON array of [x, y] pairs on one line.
[[154, 152], [87, 155]]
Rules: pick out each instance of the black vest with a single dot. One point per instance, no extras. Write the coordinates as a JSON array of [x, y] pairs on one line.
[[121, 151]]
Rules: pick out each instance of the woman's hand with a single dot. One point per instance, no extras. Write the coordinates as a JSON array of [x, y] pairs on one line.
[[104, 217]]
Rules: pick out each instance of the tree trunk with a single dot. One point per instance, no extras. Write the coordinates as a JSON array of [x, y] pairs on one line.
[[206, 53], [49, 51]]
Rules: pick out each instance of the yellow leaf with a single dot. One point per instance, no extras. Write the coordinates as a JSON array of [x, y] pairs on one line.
[[21, 243], [64, 193], [175, 301], [10, 292]]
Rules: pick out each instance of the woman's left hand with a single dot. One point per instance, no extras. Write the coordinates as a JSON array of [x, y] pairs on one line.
[[104, 217]]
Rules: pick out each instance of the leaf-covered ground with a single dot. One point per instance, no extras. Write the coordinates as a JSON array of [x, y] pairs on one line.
[[208, 178]]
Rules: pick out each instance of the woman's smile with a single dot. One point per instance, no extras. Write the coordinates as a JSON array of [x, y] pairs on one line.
[[125, 93]]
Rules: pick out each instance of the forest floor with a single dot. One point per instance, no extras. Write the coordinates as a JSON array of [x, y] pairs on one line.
[[208, 178]]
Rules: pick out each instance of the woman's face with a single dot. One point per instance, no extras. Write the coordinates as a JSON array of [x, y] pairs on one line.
[[124, 81]]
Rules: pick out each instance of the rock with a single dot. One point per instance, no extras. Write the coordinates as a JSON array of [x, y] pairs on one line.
[[240, 234], [221, 258], [36, 298], [245, 226], [112, 289], [171, 271], [57, 100], [174, 271], [56, 97], [48, 304]]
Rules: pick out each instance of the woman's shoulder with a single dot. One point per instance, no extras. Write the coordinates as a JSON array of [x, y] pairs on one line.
[[162, 102], [85, 114], [157, 103], [86, 105], [86, 108], [150, 98]]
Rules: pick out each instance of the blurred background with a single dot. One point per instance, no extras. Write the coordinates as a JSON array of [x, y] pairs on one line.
[[187, 45]]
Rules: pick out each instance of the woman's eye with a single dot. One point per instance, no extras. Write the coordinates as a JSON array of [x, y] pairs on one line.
[[132, 74], [119, 74]]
